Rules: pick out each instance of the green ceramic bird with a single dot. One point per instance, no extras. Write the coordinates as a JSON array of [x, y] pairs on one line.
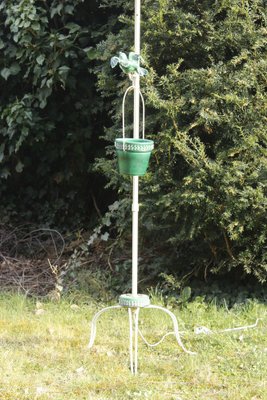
[[130, 64]]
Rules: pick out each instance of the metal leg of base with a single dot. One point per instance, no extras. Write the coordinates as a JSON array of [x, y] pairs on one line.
[[94, 321], [131, 339], [136, 317], [175, 326], [133, 342], [134, 331]]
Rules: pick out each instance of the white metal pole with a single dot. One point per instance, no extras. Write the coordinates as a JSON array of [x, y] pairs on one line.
[[135, 205]]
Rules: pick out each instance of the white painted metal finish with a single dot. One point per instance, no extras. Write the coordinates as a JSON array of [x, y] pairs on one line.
[[134, 332], [135, 206], [136, 322], [93, 324], [123, 113], [175, 327], [135, 209], [136, 78], [131, 339]]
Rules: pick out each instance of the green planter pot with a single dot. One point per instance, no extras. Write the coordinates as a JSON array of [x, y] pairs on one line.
[[133, 155]]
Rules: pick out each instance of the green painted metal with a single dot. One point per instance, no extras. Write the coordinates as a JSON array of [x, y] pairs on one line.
[[133, 155], [130, 64], [131, 301]]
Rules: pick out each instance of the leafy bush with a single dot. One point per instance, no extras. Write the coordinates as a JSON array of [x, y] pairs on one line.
[[203, 202], [204, 199], [49, 124]]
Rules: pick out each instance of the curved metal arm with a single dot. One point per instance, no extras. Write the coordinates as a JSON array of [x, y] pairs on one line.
[[123, 113]]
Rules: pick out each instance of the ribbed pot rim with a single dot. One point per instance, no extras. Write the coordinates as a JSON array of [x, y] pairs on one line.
[[135, 145]]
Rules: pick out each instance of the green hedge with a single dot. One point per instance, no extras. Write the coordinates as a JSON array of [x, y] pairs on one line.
[[204, 201], [50, 116]]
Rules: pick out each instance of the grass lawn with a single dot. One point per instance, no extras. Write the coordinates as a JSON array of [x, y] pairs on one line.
[[44, 356]]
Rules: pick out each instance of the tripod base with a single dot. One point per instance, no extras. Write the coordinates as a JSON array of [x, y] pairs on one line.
[[133, 313]]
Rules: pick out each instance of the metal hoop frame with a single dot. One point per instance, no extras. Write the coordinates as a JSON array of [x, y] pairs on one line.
[[130, 88]]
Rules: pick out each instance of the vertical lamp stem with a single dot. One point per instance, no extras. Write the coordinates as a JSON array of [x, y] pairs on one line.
[[135, 205]]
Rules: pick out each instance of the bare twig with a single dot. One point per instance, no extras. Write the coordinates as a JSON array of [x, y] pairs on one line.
[[228, 246], [95, 205], [23, 258]]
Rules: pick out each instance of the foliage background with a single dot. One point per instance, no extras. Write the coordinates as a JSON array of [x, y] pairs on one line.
[[50, 116], [203, 202]]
